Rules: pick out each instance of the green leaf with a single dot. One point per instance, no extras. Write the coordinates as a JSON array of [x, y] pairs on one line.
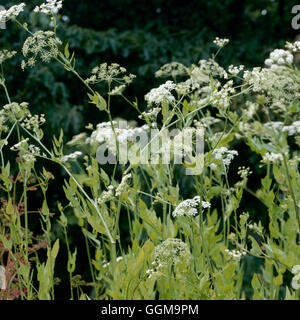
[[96, 226], [278, 174], [278, 280], [225, 140], [101, 103], [67, 53], [104, 177], [45, 209], [72, 261], [229, 271], [9, 207], [255, 247], [196, 165], [98, 100], [51, 257], [255, 282], [266, 182], [7, 243], [165, 111]]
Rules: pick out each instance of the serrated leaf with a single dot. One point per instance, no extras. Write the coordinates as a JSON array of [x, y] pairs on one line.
[[101, 102]]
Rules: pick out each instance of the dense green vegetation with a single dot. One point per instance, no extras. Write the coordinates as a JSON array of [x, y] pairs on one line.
[[143, 36]]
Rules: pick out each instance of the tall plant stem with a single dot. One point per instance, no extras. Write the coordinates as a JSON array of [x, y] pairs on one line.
[[297, 211]]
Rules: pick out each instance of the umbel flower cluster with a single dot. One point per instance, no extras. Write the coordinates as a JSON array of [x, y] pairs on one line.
[[161, 94], [173, 69], [189, 207], [293, 47], [107, 133], [71, 156], [6, 54], [185, 257], [28, 152], [225, 155], [235, 254], [221, 42], [279, 57], [170, 253], [113, 191], [110, 73], [43, 45], [49, 7], [12, 12]]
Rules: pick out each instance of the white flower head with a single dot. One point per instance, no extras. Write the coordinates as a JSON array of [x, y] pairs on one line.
[[279, 57], [235, 254], [170, 252], [123, 186], [293, 47], [220, 42], [161, 94], [292, 129], [12, 12], [272, 157], [189, 207], [72, 156], [225, 155], [235, 70], [49, 7]]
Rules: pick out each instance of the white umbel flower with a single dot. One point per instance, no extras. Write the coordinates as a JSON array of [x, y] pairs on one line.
[[235, 70], [189, 207], [12, 12], [71, 156], [293, 47], [106, 195], [172, 252], [5, 54], [23, 143], [161, 94], [292, 129], [235, 254], [221, 98], [123, 185], [225, 155], [279, 57], [272, 157], [105, 134], [49, 7], [220, 42]]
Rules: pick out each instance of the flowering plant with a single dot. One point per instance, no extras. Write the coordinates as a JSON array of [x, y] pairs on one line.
[[181, 246]]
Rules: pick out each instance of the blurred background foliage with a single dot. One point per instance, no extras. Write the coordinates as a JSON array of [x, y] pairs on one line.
[[140, 35]]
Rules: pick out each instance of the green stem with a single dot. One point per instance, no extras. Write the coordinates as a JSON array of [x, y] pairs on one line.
[[89, 258], [297, 212], [69, 257], [26, 216], [94, 204]]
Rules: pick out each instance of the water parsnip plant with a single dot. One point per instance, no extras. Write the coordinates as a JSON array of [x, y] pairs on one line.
[[177, 245]]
